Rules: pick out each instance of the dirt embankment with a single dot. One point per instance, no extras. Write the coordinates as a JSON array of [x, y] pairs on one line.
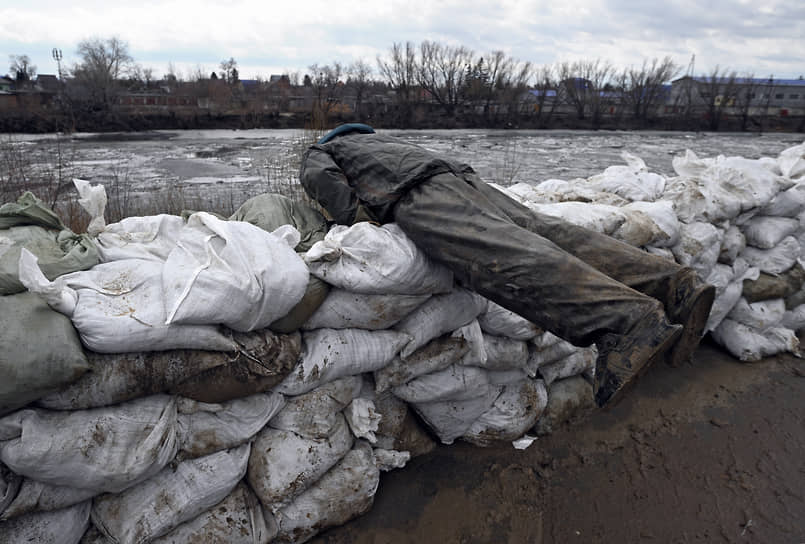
[[710, 452]]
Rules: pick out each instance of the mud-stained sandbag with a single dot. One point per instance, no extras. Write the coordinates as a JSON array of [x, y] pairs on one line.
[[732, 245], [776, 260], [436, 355], [103, 449], [264, 360], [329, 354], [387, 460], [172, 497], [232, 272], [284, 464], [576, 363], [503, 353], [567, 400], [10, 484], [499, 321], [456, 382], [663, 216], [238, 519], [119, 377], [204, 428], [271, 211], [33, 496], [64, 526], [112, 306], [749, 344], [451, 419], [398, 429], [639, 229], [59, 252], [439, 315], [699, 246], [363, 419], [514, 412], [758, 315], [365, 258], [602, 218], [473, 335], [315, 414], [766, 286], [151, 237], [315, 294], [344, 310], [32, 369], [346, 491], [554, 351]]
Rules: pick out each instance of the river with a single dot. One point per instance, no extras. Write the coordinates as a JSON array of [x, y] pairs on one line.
[[219, 169]]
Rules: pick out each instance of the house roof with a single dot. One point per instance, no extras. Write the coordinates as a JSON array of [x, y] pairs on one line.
[[748, 80]]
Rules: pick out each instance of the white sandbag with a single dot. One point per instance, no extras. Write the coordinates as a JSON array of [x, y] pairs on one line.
[[502, 353], [151, 237], [439, 315], [238, 519], [601, 218], [345, 492], [632, 182], [765, 232], [794, 319], [93, 200], [792, 161], [34, 496], [116, 307], [172, 497], [344, 310], [329, 354], [759, 315], [452, 419], [65, 526], [437, 355], [556, 351], [728, 281], [545, 340], [555, 190], [749, 344], [232, 272], [514, 412], [733, 243], [370, 259], [363, 419], [574, 364], [507, 377], [788, 203], [473, 335], [775, 260], [663, 252], [499, 321], [103, 449], [10, 484], [315, 414], [699, 246], [283, 464], [204, 428], [456, 382], [689, 199], [638, 230]]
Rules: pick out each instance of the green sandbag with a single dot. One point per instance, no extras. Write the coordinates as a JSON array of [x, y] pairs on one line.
[[270, 211], [29, 210], [59, 252], [40, 351]]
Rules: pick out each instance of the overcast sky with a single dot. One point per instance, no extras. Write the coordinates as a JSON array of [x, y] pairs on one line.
[[268, 37]]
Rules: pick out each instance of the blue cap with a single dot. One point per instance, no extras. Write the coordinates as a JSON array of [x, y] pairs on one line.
[[346, 129]]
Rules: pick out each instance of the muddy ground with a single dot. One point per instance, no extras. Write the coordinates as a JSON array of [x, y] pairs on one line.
[[710, 452]]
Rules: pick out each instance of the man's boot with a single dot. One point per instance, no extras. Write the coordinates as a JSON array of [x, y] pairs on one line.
[[623, 358], [690, 303]]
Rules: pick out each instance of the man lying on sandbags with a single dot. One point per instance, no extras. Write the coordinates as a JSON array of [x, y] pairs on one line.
[[583, 286]]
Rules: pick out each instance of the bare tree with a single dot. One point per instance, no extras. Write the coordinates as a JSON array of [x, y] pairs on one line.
[[642, 87], [400, 72], [103, 63], [359, 75], [717, 91], [229, 71], [442, 71], [21, 68], [327, 88], [746, 95], [512, 84], [547, 94]]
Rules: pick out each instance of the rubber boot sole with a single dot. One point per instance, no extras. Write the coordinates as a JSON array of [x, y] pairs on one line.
[[693, 330]]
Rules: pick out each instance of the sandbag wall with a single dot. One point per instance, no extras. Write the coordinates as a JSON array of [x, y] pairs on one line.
[[223, 387]]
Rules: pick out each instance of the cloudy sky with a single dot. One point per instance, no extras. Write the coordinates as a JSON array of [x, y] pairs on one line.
[[267, 37]]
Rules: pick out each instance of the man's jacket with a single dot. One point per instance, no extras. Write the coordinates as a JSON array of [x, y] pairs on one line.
[[367, 171]]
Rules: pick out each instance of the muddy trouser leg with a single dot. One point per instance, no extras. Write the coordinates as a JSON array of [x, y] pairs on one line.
[[521, 270], [654, 276]]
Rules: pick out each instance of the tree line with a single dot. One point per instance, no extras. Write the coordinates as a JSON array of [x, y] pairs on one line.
[[430, 83]]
